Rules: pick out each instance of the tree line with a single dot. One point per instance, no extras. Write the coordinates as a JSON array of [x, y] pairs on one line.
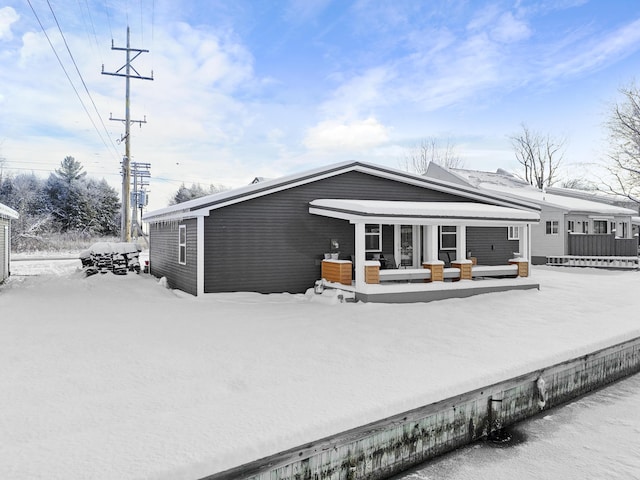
[[66, 202]]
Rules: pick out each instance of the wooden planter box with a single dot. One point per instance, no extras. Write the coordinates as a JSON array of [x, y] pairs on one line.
[[337, 271]]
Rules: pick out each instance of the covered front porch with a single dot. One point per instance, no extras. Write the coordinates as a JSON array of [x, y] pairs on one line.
[[428, 257]]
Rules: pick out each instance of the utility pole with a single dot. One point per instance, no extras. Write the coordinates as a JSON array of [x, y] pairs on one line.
[[125, 225], [141, 173]]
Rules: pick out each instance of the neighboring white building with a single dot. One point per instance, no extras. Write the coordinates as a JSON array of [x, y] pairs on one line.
[[564, 215], [6, 215]]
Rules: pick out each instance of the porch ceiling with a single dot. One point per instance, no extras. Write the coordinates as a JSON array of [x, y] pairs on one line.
[[421, 213]]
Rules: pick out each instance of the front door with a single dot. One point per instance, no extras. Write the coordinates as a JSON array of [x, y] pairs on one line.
[[407, 243]]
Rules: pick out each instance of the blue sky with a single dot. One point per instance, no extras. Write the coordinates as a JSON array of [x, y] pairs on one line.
[[267, 88]]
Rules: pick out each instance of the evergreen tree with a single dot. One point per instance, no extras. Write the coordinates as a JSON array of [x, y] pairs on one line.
[[196, 190]]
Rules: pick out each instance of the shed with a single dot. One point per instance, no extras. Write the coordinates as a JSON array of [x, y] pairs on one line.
[[6, 215]]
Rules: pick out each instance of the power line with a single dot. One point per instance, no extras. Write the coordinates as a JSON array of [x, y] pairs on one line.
[[106, 9], [82, 79], [67, 74]]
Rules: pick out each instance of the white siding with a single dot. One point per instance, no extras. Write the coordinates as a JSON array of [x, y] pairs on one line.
[[543, 245]]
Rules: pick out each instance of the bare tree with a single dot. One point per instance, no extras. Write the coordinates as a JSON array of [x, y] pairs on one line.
[[540, 156], [624, 148], [418, 157]]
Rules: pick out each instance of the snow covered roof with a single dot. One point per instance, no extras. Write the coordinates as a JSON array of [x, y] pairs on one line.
[[506, 184], [202, 206], [392, 212], [8, 212]]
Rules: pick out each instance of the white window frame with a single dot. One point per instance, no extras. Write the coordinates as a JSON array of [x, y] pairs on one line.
[[551, 227], [377, 234], [454, 233], [600, 223], [182, 244], [514, 233], [571, 226]]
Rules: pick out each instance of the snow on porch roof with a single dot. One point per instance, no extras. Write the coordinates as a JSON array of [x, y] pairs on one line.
[[396, 212]]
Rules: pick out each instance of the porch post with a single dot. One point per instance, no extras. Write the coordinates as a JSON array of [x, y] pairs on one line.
[[523, 244], [359, 255], [200, 256], [430, 248], [461, 242]]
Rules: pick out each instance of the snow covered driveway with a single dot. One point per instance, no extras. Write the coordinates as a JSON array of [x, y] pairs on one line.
[[116, 377]]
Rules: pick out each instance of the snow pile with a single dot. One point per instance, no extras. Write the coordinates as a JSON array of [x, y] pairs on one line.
[[109, 377]]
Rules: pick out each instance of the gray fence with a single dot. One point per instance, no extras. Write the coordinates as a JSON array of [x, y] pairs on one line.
[[602, 245]]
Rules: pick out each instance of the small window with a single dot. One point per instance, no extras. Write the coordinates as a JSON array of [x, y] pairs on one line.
[[624, 230], [585, 227], [447, 237], [182, 244], [552, 227], [514, 233], [372, 237], [571, 226], [600, 226]]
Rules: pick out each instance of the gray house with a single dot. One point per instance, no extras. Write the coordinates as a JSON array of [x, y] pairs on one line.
[[6, 215], [272, 236]]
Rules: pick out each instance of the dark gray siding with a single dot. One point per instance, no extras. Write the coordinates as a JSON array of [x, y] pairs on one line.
[[602, 245], [272, 243], [490, 245], [163, 255]]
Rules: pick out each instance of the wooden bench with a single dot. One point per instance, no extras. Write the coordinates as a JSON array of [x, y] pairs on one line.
[[494, 271], [408, 274], [452, 273], [405, 274]]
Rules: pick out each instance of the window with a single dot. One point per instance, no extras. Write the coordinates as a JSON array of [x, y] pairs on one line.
[[585, 227], [372, 237], [571, 226], [182, 244], [514, 233], [624, 230], [447, 237], [552, 227], [600, 226]]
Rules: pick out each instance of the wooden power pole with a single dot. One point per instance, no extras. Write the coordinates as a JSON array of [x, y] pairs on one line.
[[125, 224]]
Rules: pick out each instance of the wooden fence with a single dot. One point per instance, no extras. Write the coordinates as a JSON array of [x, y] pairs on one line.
[[593, 245]]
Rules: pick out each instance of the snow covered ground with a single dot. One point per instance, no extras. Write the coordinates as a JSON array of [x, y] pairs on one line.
[[117, 377], [593, 438]]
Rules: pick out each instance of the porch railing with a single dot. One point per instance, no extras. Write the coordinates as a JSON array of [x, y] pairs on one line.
[[591, 245], [594, 261]]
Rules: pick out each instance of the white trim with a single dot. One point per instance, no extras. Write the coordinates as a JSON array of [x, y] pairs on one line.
[[6, 267], [182, 228], [461, 243], [513, 232], [8, 212], [200, 256], [379, 235], [360, 256], [454, 233]]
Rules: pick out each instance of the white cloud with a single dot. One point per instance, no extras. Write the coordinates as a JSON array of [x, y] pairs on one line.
[[601, 51], [360, 93], [8, 16], [509, 29], [344, 135]]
